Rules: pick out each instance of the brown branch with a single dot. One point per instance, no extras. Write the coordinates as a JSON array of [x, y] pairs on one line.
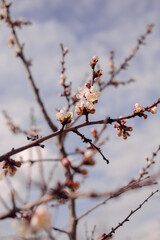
[[87, 140], [44, 199], [107, 236], [114, 72], [134, 184], [144, 171], [58, 132], [33, 161], [60, 230], [54, 195], [27, 66], [66, 87]]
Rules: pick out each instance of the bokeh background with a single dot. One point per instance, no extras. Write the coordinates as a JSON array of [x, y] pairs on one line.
[[87, 28]]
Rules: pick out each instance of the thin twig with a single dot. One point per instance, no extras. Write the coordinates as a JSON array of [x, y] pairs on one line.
[[27, 68], [134, 184], [87, 140], [105, 236], [114, 72], [60, 230]]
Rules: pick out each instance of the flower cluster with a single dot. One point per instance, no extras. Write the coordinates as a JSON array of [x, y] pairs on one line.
[[32, 224], [10, 167], [123, 130], [90, 95], [63, 116], [140, 110]]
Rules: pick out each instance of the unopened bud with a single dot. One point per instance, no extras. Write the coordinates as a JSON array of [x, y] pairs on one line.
[[119, 133], [149, 164], [84, 171], [95, 59], [94, 132], [124, 136], [66, 50], [66, 162], [141, 172], [63, 77]]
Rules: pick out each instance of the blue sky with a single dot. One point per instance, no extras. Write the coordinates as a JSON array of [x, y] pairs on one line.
[[88, 28]]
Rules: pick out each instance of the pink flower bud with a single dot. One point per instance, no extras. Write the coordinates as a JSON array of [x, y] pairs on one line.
[[99, 73], [73, 185], [94, 132], [124, 136], [4, 164], [130, 129], [88, 85], [66, 50], [12, 170], [66, 162], [63, 77], [95, 59], [89, 153], [149, 164], [119, 133], [124, 121], [153, 110], [141, 172], [11, 42]]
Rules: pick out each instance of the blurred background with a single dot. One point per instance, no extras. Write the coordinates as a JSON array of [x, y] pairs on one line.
[[87, 28]]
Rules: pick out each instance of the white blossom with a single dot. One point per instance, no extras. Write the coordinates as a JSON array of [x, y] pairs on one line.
[[89, 153], [154, 110], [89, 106], [92, 95], [138, 108], [79, 107], [63, 115], [95, 59], [42, 219], [81, 92]]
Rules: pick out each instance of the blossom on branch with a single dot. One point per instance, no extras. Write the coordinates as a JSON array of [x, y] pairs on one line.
[[79, 107], [64, 116], [90, 94], [41, 219], [153, 110], [138, 108], [10, 167], [95, 59], [94, 62], [90, 107], [29, 223]]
